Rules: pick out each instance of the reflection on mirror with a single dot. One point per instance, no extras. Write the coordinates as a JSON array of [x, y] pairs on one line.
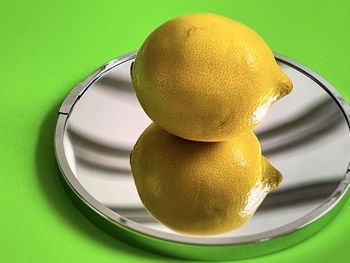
[[304, 135]]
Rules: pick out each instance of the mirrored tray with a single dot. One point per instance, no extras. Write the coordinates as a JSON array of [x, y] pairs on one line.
[[305, 135]]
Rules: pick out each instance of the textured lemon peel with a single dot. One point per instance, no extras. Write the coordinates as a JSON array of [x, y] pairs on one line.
[[196, 63], [178, 80], [200, 188]]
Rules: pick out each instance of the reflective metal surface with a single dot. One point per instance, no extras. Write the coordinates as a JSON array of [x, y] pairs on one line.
[[305, 135]]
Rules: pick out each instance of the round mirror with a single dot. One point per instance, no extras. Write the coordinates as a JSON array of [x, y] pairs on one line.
[[305, 135]]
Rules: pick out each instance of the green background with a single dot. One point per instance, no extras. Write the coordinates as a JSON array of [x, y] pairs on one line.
[[46, 48]]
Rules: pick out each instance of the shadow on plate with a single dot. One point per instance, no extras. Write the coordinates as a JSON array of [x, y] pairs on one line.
[[49, 178]]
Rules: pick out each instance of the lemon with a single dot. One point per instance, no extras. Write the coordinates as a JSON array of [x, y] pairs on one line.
[[204, 77], [201, 188]]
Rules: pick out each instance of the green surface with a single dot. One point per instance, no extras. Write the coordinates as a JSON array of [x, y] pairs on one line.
[[47, 48]]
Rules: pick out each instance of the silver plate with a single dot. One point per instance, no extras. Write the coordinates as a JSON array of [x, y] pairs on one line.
[[305, 135]]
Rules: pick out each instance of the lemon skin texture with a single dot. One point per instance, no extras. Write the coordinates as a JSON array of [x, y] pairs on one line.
[[204, 77], [201, 188]]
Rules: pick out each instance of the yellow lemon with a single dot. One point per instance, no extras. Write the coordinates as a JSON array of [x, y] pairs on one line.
[[204, 77], [201, 188]]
